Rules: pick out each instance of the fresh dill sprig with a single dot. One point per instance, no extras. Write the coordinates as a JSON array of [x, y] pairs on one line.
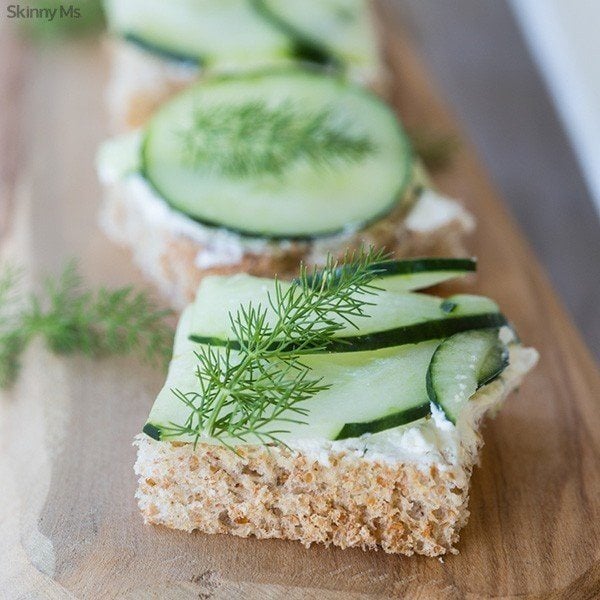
[[254, 390], [11, 338], [72, 319], [253, 138]]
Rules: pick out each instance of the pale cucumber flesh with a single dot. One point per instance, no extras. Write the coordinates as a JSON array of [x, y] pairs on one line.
[[306, 200], [365, 387], [370, 390], [460, 365], [416, 273], [392, 316], [227, 33], [341, 28]]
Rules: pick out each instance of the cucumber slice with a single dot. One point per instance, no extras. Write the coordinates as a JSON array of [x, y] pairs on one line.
[[394, 318], [370, 391], [406, 415], [418, 273], [416, 332], [462, 364], [339, 28], [227, 33], [320, 188], [494, 363]]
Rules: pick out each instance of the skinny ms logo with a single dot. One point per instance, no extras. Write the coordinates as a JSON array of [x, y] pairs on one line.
[[62, 11]]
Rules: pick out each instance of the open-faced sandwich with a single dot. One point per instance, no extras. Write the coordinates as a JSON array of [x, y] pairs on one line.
[[343, 407], [160, 47], [256, 172]]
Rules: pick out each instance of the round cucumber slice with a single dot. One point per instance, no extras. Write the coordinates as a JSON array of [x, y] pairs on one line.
[[288, 154], [460, 365], [229, 33]]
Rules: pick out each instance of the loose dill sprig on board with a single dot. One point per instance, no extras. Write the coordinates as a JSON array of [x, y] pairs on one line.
[[72, 319], [253, 138], [11, 337], [253, 391]]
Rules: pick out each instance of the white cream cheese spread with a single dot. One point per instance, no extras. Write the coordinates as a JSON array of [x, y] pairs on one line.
[[433, 440], [433, 211]]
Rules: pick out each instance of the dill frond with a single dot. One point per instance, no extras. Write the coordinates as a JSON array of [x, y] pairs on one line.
[[11, 338], [72, 319], [253, 138], [252, 391]]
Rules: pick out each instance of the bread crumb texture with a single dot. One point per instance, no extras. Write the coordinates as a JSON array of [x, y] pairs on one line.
[[280, 493]]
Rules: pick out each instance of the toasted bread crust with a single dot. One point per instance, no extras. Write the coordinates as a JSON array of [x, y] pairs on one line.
[[282, 494]]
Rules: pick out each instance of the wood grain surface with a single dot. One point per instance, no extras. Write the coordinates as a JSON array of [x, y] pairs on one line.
[[483, 67], [70, 526]]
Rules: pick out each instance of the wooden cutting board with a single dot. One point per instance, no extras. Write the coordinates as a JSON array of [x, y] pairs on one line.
[[70, 525]]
